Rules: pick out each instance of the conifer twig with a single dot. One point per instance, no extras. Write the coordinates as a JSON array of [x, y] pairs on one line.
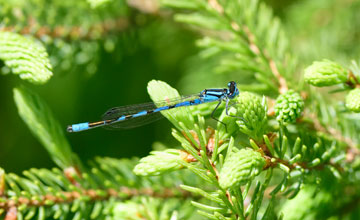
[[253, 47], [273, 162], [352, 150], [352, 81], [96, 31], [94, 195]]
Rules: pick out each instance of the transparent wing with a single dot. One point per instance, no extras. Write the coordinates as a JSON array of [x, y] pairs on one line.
[[117, 112]]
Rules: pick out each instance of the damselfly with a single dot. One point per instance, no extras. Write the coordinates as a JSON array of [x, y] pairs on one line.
[[137, 115]]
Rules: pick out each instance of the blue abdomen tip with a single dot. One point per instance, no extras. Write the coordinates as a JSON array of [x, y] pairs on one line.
[[78, 127]]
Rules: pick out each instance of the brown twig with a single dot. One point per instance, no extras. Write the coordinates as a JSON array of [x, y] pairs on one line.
[[352, 81], [352, 151], [272, 161], [283, 86], [94, 195], [253, 47], [96, 31], [215, 4], [11, 214]]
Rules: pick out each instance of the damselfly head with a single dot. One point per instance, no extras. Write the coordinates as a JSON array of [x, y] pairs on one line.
[[232, 90]]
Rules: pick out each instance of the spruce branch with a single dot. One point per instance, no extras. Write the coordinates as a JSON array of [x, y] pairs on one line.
[[242, 36], [204, 147], [351, 147], [96, 31], [273, 67], [327, 73], [99, 22], [225, 172], [92, 195], [302, 159], [109, 182], [250, 37]]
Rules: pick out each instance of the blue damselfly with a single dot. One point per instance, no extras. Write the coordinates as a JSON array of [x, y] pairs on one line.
[[137, 115]]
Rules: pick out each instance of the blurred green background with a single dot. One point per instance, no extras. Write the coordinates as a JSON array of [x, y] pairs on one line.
[[95, 74]]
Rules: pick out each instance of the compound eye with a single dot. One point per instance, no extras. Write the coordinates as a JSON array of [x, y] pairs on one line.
[[229, 84]]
